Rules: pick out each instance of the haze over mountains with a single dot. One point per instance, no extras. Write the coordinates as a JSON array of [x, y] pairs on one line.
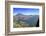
[[27, 20]]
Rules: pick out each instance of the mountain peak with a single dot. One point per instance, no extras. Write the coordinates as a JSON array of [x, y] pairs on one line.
[[19, 14]]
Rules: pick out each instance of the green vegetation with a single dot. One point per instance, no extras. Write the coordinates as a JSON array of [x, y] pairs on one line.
[[20, 24]]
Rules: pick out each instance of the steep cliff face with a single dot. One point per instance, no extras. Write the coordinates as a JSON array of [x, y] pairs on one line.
[[37, 25]]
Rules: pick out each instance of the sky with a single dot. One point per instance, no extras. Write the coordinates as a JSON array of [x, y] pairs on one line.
[[26, 11]]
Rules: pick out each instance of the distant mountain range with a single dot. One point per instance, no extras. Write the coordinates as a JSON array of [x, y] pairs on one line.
[[28, 19], [19, 14]]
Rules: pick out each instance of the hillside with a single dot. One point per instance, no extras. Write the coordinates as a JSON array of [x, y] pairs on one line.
[[25, 20]]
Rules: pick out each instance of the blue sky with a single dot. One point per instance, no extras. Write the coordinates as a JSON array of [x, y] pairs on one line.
[[26, 11]]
